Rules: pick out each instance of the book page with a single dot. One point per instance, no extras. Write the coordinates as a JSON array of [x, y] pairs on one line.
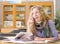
[[12, 39]]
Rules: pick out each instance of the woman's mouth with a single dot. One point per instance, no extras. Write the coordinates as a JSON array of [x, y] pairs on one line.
[[36, 17]]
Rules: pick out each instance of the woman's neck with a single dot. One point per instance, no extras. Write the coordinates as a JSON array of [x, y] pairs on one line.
[[38, 22]]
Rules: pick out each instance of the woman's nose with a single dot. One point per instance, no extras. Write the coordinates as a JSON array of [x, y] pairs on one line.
[[35, 15]]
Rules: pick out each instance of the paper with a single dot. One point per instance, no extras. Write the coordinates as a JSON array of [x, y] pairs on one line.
[[12, 39]]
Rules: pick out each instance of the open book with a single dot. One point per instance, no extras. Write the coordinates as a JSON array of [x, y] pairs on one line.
[[25, 37], [12, 40]]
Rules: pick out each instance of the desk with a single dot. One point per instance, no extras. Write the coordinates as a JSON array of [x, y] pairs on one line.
[[1, 42], [58, 42]]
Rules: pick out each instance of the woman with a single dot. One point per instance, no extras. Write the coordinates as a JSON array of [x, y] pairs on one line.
[[41, 25]]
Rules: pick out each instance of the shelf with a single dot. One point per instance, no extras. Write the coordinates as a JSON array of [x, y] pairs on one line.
[[21, 11], [20, 8], [13, 13], [20, 16], [8, 24], [8, 20], [20, 24], [20, 19], [8, 8], [47, 10], [8, 12], [8, 27], [8, 17]]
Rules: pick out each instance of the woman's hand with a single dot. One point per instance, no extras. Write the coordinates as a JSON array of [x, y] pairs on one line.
[[37, 38], [43, 39], [31, 21]]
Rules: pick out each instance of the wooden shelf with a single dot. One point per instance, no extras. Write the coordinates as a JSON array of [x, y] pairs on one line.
[[21, 11], [19, 19], [8, 20], [10, 11], [14, 12]]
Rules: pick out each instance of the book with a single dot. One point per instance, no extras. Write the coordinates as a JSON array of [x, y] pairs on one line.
[[24, 38], [13, 40]]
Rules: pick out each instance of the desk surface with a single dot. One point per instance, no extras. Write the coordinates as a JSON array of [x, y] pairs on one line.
[[58, 42], [1, 42]]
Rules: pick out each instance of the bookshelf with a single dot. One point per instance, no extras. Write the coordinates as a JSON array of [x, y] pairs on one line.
[[20, 15], [7, 19], [13, 16]]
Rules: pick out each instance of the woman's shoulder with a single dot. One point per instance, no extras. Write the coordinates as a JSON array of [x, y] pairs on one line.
[[50, 22]]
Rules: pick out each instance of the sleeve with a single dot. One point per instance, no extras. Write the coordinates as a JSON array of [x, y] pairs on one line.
[[53, 29]]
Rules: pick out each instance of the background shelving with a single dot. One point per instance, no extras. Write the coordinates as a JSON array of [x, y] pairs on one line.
[[14, 15]]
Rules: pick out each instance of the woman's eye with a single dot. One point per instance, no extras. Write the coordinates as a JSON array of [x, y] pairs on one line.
[[37, 12]]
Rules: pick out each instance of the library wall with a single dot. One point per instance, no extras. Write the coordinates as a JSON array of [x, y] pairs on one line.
[[57, 8]]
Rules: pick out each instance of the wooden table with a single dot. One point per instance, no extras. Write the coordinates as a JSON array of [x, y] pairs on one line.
[[58, 42], [1, 42]]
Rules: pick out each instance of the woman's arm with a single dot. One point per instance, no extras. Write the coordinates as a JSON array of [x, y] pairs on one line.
[[53, 29], [37, 38], [53, 32]]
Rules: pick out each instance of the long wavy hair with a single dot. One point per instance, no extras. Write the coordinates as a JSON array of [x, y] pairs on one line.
[[44, 17]]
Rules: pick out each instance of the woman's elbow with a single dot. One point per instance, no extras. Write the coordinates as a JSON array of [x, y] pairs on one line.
[[56, 38]]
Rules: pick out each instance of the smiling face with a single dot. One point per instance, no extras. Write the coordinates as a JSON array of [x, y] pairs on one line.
[[36, 14]]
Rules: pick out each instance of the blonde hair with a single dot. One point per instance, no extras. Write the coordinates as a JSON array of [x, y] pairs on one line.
[[44, 16], [42, 11]]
